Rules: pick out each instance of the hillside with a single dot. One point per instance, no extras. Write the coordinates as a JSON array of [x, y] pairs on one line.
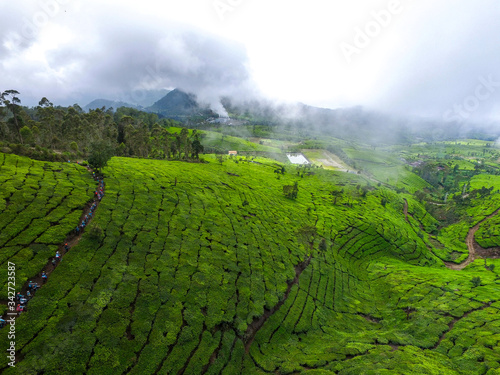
[[209, 268], [100, 103], [137, 99], [178, 105], [40, 203], [355, 123]]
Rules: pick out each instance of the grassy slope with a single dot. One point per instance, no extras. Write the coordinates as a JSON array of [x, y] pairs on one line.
[[453, 236], [227, 142], [193, 253], [488, 234], [469, 148], [386, 167]]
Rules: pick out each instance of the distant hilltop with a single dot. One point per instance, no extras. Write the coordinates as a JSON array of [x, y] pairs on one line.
[[100, 103], [178, 105], [175, 104], [139, 99]]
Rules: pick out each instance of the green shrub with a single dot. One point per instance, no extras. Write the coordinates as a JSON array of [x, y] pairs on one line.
[[476, 281]]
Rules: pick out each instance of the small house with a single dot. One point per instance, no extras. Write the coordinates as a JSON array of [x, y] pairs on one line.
[[233, 153]]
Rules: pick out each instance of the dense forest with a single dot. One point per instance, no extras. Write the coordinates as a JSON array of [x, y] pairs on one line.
[[51, 132]]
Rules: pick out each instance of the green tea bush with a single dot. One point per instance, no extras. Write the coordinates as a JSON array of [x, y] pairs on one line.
[[31, 216], [186, 278]]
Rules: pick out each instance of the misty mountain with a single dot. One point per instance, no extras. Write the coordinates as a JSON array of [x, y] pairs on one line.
[[99, 103], [137, 99], [179, 105], [144, 98], [357, 123], [354, 123]]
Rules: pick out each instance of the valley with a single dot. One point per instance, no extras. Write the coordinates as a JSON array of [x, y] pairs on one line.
[[232, 187], [208, 268]]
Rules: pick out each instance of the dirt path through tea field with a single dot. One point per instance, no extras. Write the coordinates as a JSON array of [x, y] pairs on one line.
[[257, 323], [71, 240], [474, 248]]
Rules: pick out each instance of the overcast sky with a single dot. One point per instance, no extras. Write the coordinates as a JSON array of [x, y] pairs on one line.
[[428, 58]]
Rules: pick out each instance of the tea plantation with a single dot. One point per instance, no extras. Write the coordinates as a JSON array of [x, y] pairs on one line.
[[208, 268], [40, 203]]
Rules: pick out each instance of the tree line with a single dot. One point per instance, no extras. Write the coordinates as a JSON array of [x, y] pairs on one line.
[[54, 132]]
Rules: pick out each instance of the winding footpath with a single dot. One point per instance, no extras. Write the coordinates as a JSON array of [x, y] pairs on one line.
[[474, 248]]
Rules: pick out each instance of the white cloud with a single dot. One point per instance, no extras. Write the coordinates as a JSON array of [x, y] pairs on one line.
[[425, 58]]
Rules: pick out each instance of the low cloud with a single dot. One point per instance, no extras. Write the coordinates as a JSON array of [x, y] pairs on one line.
[[121, 59], [425, 59]]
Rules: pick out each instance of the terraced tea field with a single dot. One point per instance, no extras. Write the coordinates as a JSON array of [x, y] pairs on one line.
[[488, 235], [210, 269], [40, 203]]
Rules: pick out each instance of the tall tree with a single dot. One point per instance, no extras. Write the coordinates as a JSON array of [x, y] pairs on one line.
[[100, 153], [178, 144], [197, 148], [44, 103], [10, 100], [185, 144], [166, 144], [122, 124]]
